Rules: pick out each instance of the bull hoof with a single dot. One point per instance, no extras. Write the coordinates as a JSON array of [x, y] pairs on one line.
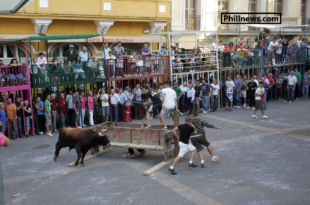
[[55, 159], [76, 164], [81, 165]]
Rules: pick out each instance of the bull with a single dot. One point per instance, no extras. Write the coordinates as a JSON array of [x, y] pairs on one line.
[[80, 139]]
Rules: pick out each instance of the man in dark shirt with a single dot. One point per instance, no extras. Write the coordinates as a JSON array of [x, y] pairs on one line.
[[199, 140], [77, 108], [185, 132], [251, 89], [19, 113], [205, 95], [155, 104], [71, 53], [197, 95]]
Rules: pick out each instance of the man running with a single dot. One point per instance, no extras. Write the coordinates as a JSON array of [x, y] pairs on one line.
[[154, 103], [259, 94], [185, 132], [199, 140]]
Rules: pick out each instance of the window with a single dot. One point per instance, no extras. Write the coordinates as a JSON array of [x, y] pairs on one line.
[[278, 5], [190, 14], [222, 8], [162, 8], [303, 12], [107, 6], [43, 3], [7, 53], [252, 9], [1, 51]]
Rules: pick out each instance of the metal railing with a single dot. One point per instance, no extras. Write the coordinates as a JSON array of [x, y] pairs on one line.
[[16, 75]]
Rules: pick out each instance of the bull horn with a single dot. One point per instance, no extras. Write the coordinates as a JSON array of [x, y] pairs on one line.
[[100, 134]]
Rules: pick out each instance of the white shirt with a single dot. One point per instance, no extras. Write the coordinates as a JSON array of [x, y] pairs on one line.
[[215, 89], [272, 44], [251, 53], [191, 93], [279, 49], [184, 89], [256, 81], [104, 97], [40, 61], [266, 80], [115, 99], [172, 56], [106, 52], [230, 87], [170, 95], [69, 98], [259, 91], [279, 39], [292, 79], [83, 56], [221, 48], [213, 47]]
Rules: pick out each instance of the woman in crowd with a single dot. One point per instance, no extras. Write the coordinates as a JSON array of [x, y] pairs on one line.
[[227, 57], [83, 107], [90, 103], [2, 118], [77, 68], [27, 111], [133, 63], [54, 105]]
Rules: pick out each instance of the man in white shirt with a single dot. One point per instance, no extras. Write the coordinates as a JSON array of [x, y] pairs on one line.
[[230, 87], [270, 51], [182, 97], [115, 99], [215, 94], [41, 64], [190, 98], [84, 54], [214, 47], [291, 85], [69, 101], [105, 50], [259, 93], [169, 104]]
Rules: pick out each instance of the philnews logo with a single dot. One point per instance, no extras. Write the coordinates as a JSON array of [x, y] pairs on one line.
[[251, 18]]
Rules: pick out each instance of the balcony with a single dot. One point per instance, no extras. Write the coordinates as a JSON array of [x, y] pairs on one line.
[[192, 23], [14, 77]]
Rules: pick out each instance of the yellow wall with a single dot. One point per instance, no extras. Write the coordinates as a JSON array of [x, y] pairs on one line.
[[16, 26]]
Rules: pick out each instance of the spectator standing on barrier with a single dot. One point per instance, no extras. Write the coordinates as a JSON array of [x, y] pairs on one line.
[[112, 63], [270, 51], [19, 112], [227, 57], [266, 88], [41, 64], [83, 55], [77, 109], [105, 50], [145, 50], [121, 105], [279, 86], [119, 49], [185, 131], [205, 94], [83, 108], [230, 87], [78, 68], [105, 107], [90, 104], [183, 97], [305, 87], [279, 53], [297, 89], [240, 43], [128, 103], [244, 89], [12, 117], [252, 86], [54, 105], [237, 91], [169, 103], [48, 115], [62, 109], [162, 52], [190, 97], [133, 63], [197, 99], [138, 95], [259, 93], [278, 39], [285, 50], [119, 66], [71, 53], [69, 100], [293, 52], [40, 113], [27, 110], [291, 85], [114, 104], [2, 117], [215, 95]]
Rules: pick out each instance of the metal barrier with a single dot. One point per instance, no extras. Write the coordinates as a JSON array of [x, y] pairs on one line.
[[16, 75]]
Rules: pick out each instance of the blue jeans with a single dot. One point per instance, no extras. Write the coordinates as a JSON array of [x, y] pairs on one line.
[[279, 58], [115, 113], [264, 72], [20, 127], [205, 102], [182, 103], [131, 69], [3, 128], [82, 116], [305, 91], [105, 111], [291, 93], [120, 72], [265, 100], [62, 118], [121, 109], [214, 100], [242, 61], [237, 98]]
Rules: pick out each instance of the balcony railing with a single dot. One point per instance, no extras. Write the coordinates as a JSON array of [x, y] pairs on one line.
[[193, 23], [16, 75]]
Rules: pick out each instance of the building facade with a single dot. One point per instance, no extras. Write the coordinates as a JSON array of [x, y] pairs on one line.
[[117, 20]]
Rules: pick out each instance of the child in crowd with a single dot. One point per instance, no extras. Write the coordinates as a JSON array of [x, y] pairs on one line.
[[111, 61], [119, 66]]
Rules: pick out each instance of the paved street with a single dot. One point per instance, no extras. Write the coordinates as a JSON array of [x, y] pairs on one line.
[[261, 162]]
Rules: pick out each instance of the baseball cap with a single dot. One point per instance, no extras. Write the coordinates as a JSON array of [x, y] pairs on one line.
[[71, 46], [163, 46]]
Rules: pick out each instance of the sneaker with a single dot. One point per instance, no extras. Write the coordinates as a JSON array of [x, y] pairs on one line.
[[49, 134], [127, 154], [265, 117], [181, 113], [55, 130], [238, 106], [132, 155], [204, 112], [172, 171], [207, 111], [192, 165], [84, 125], [248, 107], [290, 102], [148, 127], [297, 99], [79, 127], [41, 133], [244, 105], [254, 116], [143, 152], [164, 128]]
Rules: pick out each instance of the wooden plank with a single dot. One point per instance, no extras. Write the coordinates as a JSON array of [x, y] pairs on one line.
[[157, 167], [137, 146], [88, 157]]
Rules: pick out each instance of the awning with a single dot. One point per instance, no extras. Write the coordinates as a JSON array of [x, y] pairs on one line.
[[14, 37], [11, 6], [115, 39]]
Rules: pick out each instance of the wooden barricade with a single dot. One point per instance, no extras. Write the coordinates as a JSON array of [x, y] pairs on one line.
[[133, 136]]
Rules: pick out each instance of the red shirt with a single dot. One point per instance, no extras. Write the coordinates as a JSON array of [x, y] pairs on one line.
[[239, 44], [271, 81], [229, 48], [54, 104], [63, 108]]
